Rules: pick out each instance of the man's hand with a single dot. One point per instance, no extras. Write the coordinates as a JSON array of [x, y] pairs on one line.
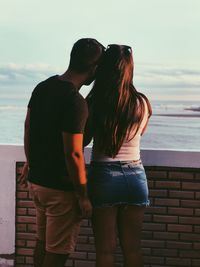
[[23, 177], [85, 207]]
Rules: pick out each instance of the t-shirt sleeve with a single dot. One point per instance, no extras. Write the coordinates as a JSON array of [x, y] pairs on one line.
[[75, 115]]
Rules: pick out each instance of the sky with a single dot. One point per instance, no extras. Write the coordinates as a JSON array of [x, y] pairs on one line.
[[36, 38]]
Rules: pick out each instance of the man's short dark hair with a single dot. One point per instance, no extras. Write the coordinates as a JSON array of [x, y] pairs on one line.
[[85, 54]]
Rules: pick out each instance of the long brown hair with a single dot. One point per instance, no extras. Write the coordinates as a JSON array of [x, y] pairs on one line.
[[116, 106]]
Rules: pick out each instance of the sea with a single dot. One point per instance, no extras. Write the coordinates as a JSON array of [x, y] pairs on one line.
[[174, 125]]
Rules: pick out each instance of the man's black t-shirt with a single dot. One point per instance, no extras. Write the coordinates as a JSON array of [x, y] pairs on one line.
[[55, 107]]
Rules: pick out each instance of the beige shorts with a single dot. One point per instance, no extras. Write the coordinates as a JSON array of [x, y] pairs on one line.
[[57, 218]]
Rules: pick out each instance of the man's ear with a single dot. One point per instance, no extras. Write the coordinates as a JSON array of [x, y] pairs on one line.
[[93, 71]]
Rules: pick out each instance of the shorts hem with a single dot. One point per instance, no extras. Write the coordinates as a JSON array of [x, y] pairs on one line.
[[110, 205], [63, 252]]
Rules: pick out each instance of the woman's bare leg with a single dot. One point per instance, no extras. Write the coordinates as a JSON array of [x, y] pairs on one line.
[[104, 223], [130, 219]]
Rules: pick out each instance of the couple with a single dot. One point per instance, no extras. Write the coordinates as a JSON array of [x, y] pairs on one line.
[[59, 122]]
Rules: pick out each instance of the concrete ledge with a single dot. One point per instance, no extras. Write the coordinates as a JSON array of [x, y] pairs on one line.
[[171, 158]]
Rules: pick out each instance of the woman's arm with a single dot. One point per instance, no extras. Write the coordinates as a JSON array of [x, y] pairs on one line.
[[145, 126], [147, 113]]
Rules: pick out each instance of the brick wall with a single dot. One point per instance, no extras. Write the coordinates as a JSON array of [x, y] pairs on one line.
[[171, 232]]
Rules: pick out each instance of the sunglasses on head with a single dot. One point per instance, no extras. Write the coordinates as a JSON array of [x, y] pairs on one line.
[[125, 47]]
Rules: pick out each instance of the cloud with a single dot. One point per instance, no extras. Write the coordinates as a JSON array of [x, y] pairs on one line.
[[19, 74], [148, 76], [162, 76]]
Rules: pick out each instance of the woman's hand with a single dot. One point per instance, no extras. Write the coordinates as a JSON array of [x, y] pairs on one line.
[[23, 177]]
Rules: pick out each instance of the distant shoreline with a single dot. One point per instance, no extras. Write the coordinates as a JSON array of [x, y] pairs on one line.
[[179, 115], [195, 114], [193, 109]]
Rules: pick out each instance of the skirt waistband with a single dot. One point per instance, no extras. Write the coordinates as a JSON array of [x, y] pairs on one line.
[[134, 162]]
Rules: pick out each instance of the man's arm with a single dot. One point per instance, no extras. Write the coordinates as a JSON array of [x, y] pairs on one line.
[[23, 176], [74, 158], [27, 135], [75, 163]]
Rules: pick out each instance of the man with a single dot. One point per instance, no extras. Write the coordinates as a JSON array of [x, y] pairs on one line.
[[53, 143]]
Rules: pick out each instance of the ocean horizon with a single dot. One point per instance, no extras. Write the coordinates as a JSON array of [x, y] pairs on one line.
[[175, 124]]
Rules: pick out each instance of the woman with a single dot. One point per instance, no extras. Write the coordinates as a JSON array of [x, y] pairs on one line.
[[117, 183]]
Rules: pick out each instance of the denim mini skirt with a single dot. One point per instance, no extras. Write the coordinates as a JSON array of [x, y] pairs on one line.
[[117, 183]]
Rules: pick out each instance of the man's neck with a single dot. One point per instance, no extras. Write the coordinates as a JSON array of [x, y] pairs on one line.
[[77, 79]]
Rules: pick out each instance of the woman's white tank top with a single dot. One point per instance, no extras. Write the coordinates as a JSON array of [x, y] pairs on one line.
[[130, 149]]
